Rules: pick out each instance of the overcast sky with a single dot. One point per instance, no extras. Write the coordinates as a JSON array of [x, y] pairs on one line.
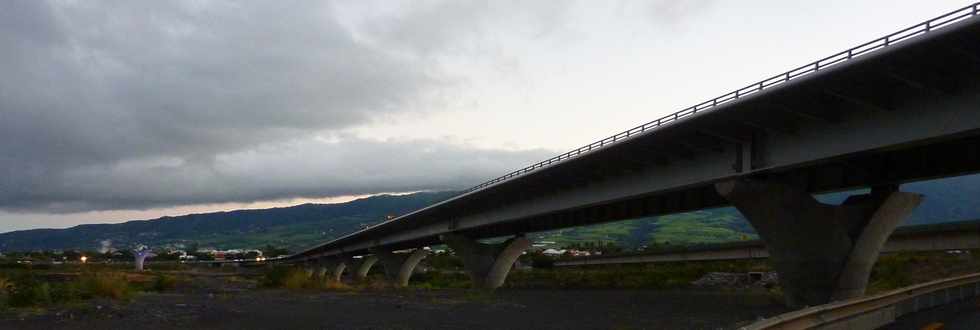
[[121, 110]]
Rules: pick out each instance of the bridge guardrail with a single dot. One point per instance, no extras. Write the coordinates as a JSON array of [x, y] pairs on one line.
[[875, 311]]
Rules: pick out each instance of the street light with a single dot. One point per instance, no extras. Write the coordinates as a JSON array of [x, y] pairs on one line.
[[84, 258]]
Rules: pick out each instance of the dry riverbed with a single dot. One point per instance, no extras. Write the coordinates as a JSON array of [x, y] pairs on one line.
[[229, 302]]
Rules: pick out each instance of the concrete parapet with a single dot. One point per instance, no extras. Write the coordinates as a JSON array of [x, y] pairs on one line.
[[873, 312]]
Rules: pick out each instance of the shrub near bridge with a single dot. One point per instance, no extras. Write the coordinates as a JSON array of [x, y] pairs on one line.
[[295, 278], [33, 288], [107, 285], [639, 276]]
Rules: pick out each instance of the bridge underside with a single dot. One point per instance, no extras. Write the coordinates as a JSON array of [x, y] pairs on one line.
[[904, 114]]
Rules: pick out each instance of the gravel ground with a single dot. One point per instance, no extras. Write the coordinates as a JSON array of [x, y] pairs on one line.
[[217, 304]]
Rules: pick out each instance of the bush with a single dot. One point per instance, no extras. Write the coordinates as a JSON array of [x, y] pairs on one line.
[[296, 279], [104, 285], [28, 291], [290, 278], [541, 261], [640, 276], [163, 283], [275, 277], [437, 279]]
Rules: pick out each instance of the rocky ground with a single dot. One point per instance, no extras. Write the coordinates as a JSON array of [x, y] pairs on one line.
[[228, 302]]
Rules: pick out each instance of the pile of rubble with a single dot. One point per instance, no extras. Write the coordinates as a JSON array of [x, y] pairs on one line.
[[719, 279]]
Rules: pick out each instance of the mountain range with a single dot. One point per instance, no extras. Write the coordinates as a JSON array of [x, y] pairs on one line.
[[296, 227]]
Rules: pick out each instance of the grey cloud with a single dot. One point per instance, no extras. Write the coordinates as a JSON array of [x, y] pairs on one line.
[[673, 12], [159, 103], [307, 168], [465, 26]]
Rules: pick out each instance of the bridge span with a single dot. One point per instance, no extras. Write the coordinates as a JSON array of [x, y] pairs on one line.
[[897, 109]]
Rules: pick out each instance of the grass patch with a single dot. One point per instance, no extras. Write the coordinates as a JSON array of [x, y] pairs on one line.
[[294, 278], [106, 285], [28, 287], [675, 275], [897, 270], [164, 282]]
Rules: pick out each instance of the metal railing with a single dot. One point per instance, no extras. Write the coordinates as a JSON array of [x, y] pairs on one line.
[[829, 61], [875, 311]]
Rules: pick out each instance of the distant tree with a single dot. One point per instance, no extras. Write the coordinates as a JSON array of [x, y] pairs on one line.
[[193, 247], [166, 256], [539, 260], [445, 261], [202, 256], [597, 246], [72, 255], [272, 251], [251, 255]]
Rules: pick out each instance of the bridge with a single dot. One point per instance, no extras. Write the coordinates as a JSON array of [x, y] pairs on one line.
[[935, 237], [897, 109]]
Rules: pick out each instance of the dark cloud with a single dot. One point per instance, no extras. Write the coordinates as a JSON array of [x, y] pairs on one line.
[[161, 103], [306, 168]]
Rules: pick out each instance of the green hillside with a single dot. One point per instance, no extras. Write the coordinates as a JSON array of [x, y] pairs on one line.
[[708, 226], [946, 200], [292, 227], [300, 226]]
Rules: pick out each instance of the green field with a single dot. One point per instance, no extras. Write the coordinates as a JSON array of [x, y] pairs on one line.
[[709, 226]]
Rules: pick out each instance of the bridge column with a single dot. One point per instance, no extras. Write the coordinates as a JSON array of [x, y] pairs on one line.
[[822, 252], [399, 266], [487, 264], [364, 267], [140, 258], [321, 267], [309, 266], [337, 269], [331, 268]]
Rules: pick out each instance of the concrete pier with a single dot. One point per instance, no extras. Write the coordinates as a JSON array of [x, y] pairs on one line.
[[364, 267], [487, 264], [822, 252], [399, 266]]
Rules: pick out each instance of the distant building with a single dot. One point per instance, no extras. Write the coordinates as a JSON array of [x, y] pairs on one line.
[[553, 252]]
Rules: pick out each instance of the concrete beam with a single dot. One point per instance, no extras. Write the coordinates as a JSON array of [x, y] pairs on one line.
[[821, 251], [487, 264]]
